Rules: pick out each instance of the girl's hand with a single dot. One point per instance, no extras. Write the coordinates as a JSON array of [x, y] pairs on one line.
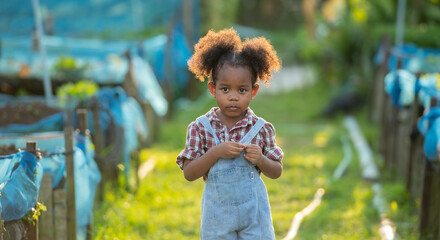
[[229, 149], [253, 153]]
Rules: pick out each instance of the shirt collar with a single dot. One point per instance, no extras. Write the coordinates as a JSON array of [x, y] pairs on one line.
[[245, 121]]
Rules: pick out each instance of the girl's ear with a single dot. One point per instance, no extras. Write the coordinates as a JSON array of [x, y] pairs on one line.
[[211, 87], [255, 90]]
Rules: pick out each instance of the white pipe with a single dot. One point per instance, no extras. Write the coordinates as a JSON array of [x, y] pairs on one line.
[[369, 169], [296, 222], [400, 22], [42, 49]]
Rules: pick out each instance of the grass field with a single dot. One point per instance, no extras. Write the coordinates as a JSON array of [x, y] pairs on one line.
[[166, 206]]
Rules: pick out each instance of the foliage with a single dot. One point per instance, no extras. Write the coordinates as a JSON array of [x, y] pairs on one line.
[[79, 91], [66, 67], [217, 15], [66, 63], [32, 216]]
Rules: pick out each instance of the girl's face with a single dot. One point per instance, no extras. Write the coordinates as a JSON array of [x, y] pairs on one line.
[[233, 91]]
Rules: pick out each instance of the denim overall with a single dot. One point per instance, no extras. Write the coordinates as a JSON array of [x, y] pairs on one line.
[[235, 204]]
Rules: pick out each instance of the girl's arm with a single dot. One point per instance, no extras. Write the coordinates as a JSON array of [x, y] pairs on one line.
[[270, 168], [194, 169]]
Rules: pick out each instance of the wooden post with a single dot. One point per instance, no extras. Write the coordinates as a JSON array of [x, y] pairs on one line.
[[413, 143], [82, 121], [99, 146], [392, 125], [33, 230], [401, 148], [429, 208], [82, 125], [60, 209], [46, 223], [70, 182], [417, 167], [378, 87]]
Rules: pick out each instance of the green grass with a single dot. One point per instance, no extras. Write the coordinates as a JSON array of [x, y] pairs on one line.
[[166, 206]]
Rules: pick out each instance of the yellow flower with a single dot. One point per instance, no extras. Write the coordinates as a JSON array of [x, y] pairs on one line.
[[321, 138], [437, 75], [359, 15]]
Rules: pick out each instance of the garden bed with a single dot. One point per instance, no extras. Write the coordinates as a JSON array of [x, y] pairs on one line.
[[25, 113]]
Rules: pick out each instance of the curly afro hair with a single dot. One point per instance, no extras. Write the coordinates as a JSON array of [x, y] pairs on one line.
[[225, 47]]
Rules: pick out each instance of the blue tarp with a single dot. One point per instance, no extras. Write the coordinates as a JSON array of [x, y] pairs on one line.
[[400, 86], [128, 114], [86, 17], [176, 54], [20, 179], [413, 58], [429, 126]]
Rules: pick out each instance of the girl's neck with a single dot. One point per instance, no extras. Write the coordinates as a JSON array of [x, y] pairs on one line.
[[228, 122]]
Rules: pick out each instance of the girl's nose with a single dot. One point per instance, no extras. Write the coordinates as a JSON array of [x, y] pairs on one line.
[[233, 96]]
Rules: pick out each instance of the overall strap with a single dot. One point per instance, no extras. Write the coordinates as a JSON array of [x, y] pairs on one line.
[[205, 121], [253, 132]]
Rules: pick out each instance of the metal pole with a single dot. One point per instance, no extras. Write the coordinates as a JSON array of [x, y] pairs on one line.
[[400, 22], [41, 46], [138, 19]]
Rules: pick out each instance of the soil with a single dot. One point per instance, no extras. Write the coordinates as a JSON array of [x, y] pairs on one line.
[[7, 149], [25, 113]]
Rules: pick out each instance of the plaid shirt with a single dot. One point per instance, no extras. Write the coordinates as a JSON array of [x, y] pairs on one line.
[[199, 141]]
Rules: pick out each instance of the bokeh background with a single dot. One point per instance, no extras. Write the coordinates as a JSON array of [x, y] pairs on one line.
[[124, 63]]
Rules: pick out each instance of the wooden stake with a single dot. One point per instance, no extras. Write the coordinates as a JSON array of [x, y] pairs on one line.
[[82, 124], [98, 142], [82, 121], [33, 230], [60, 208], [429, 208], [46, 223], [70, 183]]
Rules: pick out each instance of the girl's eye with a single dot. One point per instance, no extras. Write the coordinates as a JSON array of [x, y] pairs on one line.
[[242, 90], [225, 89]]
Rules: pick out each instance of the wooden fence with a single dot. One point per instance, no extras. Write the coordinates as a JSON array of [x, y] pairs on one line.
[[401, 146], [59, 221]]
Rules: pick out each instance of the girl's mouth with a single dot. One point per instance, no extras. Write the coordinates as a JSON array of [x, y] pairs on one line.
[[233, 108]]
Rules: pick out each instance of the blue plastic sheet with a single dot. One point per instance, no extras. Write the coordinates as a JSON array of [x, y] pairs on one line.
[[129, 115], [84, 17], [50, 123], [148, 86], [20, 179], [429, 126], [428, 87], [400, 85], [413, 58], [178, 53]]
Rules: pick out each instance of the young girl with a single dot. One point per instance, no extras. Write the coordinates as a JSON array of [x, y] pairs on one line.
[[230, 146]]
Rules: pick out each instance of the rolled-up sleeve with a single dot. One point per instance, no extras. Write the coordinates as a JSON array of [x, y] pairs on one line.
[[270, 149], [193, 146]]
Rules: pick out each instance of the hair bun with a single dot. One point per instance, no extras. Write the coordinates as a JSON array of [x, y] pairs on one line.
[[210, 48], [262, 56]]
